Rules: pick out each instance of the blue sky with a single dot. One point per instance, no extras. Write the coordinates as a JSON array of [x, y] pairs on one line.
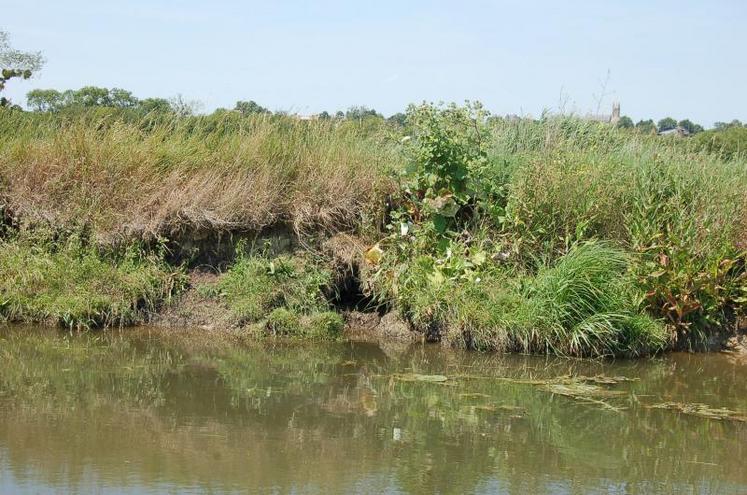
[[680, 58]]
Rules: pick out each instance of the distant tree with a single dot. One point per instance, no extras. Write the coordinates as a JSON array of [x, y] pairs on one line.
[[646, 126], [249, 108], [360, 112], [45, 100], [398, 118], [340, 114], [495, 119], [15, 63], [720, 126], [666, 124], [625, 122], [122, 98], [690, 126], [91, 96], [155, 105], [324, 115]]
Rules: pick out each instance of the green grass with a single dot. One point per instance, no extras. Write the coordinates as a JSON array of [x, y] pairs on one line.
[[283, 296], [74, 286], [583, 305]]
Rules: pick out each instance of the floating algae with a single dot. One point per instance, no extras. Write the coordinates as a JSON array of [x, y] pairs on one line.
[[586, 389], [417, 377], [702, 411]]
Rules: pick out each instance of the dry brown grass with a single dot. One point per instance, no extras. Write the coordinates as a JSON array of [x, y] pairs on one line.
[[203, 174]]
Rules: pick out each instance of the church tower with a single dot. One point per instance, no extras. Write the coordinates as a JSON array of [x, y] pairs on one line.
[[615, 117]]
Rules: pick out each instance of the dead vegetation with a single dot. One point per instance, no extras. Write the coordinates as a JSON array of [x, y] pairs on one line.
[[128, 181]]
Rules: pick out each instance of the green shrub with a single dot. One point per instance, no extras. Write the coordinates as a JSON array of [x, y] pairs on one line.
[[286, 295]]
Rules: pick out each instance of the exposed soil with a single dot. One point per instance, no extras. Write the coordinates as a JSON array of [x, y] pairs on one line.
[[372, 327], [191, 309]]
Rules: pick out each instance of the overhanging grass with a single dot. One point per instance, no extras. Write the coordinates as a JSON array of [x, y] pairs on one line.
[[585, 305], [78, 287]]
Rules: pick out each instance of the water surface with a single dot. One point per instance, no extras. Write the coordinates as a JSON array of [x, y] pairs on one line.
[[184, 412]]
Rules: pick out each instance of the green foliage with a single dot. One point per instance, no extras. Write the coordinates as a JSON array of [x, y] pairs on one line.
[[646, 127], [720, 126], [666, 124], [483, 208], [249, 108], [155, 105], [577, 182], [87, 97], [16, 64], [586, 305], [74, 285], [687, 277], [282, 321], [398, 118], [683, 215], [447, 160], [360, 113], [326, 325], [690, 126], [44, 100], [286, 293], [625, 122]]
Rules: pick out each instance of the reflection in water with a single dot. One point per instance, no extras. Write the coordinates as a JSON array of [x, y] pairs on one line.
[[132, 412]]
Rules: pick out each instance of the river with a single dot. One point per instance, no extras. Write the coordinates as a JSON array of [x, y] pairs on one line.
[[146, 411]]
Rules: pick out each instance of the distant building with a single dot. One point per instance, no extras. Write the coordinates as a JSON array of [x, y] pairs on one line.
[[615, 118], [677, 131], [612, 118]]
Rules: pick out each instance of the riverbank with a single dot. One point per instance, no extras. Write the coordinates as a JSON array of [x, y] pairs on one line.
[[553, 236]]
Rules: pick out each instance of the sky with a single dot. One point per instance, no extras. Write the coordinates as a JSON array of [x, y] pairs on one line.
[[684, 59]]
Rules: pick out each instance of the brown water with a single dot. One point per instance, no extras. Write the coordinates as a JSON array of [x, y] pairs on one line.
[[134, 412]]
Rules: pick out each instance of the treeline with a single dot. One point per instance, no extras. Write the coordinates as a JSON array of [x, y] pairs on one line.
[[52, 100], [648, 126]]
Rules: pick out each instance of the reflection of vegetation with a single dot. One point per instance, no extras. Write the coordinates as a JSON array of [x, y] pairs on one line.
[[227, 415], [42, 368]]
